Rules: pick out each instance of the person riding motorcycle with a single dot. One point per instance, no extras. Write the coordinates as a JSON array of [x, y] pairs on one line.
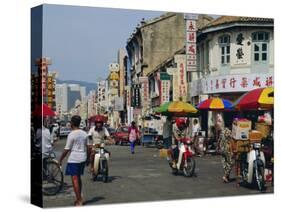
[[98, 134], [180, 131]]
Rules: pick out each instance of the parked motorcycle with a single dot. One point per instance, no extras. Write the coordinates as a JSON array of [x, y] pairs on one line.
[[158, 140], [185, 161], [101, 163], [199, 144], [252, 165]]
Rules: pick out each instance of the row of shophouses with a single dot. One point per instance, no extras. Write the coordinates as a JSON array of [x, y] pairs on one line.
[[178, 56]]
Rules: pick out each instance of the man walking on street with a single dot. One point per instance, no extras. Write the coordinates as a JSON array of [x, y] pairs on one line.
[[79, 147], [167, 133]]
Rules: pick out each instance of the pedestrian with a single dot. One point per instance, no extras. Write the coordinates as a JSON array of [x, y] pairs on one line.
[[79, 147], [195, 132], [219, 126], [133, 136], [140, 135], [167, 132], [44, 139], [226, 153]]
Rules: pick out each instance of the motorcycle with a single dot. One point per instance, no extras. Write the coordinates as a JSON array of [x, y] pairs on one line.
[[199, 144], [101, 162], [252, 165], [158, 140], [185, 161]]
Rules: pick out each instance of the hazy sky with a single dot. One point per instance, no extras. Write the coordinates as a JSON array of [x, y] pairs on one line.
[[82, 41]]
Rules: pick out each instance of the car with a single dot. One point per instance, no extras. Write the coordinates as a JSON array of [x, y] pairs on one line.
[[64, 131], [121, 136], [111, 131]]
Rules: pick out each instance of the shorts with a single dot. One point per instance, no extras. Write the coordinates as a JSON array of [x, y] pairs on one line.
[[75, 169]]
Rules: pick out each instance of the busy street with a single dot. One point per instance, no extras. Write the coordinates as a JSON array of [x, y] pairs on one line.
[[145, 176], [182, 109]]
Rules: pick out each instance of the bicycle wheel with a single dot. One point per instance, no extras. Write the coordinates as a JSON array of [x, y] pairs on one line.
[[52, 178]]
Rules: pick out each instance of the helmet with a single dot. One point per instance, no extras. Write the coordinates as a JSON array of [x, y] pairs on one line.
[[99, 118], [180, 122]]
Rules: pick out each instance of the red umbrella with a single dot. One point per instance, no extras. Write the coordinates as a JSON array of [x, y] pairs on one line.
[[260, 98], [43, 110]]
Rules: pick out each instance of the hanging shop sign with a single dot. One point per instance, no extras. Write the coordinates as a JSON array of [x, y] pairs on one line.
[[231, 83]]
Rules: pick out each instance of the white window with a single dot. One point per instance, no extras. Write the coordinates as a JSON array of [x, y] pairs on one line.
[[224, 42], [260, 46]]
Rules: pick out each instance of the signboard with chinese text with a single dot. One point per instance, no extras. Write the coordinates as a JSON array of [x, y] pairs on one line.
[[179, 78], [232, 83], [144, 90], [165, 91], [190, 43], [118, 104]]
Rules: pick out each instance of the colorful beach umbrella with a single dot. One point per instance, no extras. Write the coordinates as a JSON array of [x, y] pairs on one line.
[[260, 98], [215, 104], [177, 108]]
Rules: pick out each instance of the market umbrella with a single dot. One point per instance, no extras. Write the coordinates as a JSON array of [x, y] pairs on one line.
[[260, 98], [43, 110], [215, 104], [177, 108]]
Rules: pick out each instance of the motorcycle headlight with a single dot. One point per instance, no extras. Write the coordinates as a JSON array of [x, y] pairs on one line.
[[257, 145]]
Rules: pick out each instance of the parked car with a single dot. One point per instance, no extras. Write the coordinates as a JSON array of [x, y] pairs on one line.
[[111, 131], [121, 136], [64, 131]]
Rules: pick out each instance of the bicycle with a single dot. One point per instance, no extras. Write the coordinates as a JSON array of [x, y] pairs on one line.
[[52, 175]]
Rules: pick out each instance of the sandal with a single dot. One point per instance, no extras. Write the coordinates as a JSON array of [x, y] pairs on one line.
[[78, 203], [225, 179]]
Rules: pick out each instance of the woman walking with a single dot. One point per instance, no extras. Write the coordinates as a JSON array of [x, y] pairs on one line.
[[226, 155], [133, 136]]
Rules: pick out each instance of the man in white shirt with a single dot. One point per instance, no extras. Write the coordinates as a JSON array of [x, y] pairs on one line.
[[98, 134], [79, 147], [44, 139], [167, 133]]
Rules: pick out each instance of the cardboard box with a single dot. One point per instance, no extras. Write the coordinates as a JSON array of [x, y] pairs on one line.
[[163, 153], [238, 146], [255, 136], [263, 128], [241, 128]]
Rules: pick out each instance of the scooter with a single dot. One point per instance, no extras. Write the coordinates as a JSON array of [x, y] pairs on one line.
[[158, 140], [185, 161], [252, 166], [101, 162], [199, 144]]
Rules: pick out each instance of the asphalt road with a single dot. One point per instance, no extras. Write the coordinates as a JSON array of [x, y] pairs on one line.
[[145, 176]]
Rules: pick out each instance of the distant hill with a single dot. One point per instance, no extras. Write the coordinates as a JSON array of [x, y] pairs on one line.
[[89, 85]]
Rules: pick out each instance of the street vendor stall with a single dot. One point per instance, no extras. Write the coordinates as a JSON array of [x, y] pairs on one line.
[[248, 137], [218, 106]]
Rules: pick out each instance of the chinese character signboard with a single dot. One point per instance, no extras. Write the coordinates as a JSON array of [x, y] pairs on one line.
[[190, 41], [165, 89], [236, 83], [240, 51], [180, 83], [118, 104], [144, 90]]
